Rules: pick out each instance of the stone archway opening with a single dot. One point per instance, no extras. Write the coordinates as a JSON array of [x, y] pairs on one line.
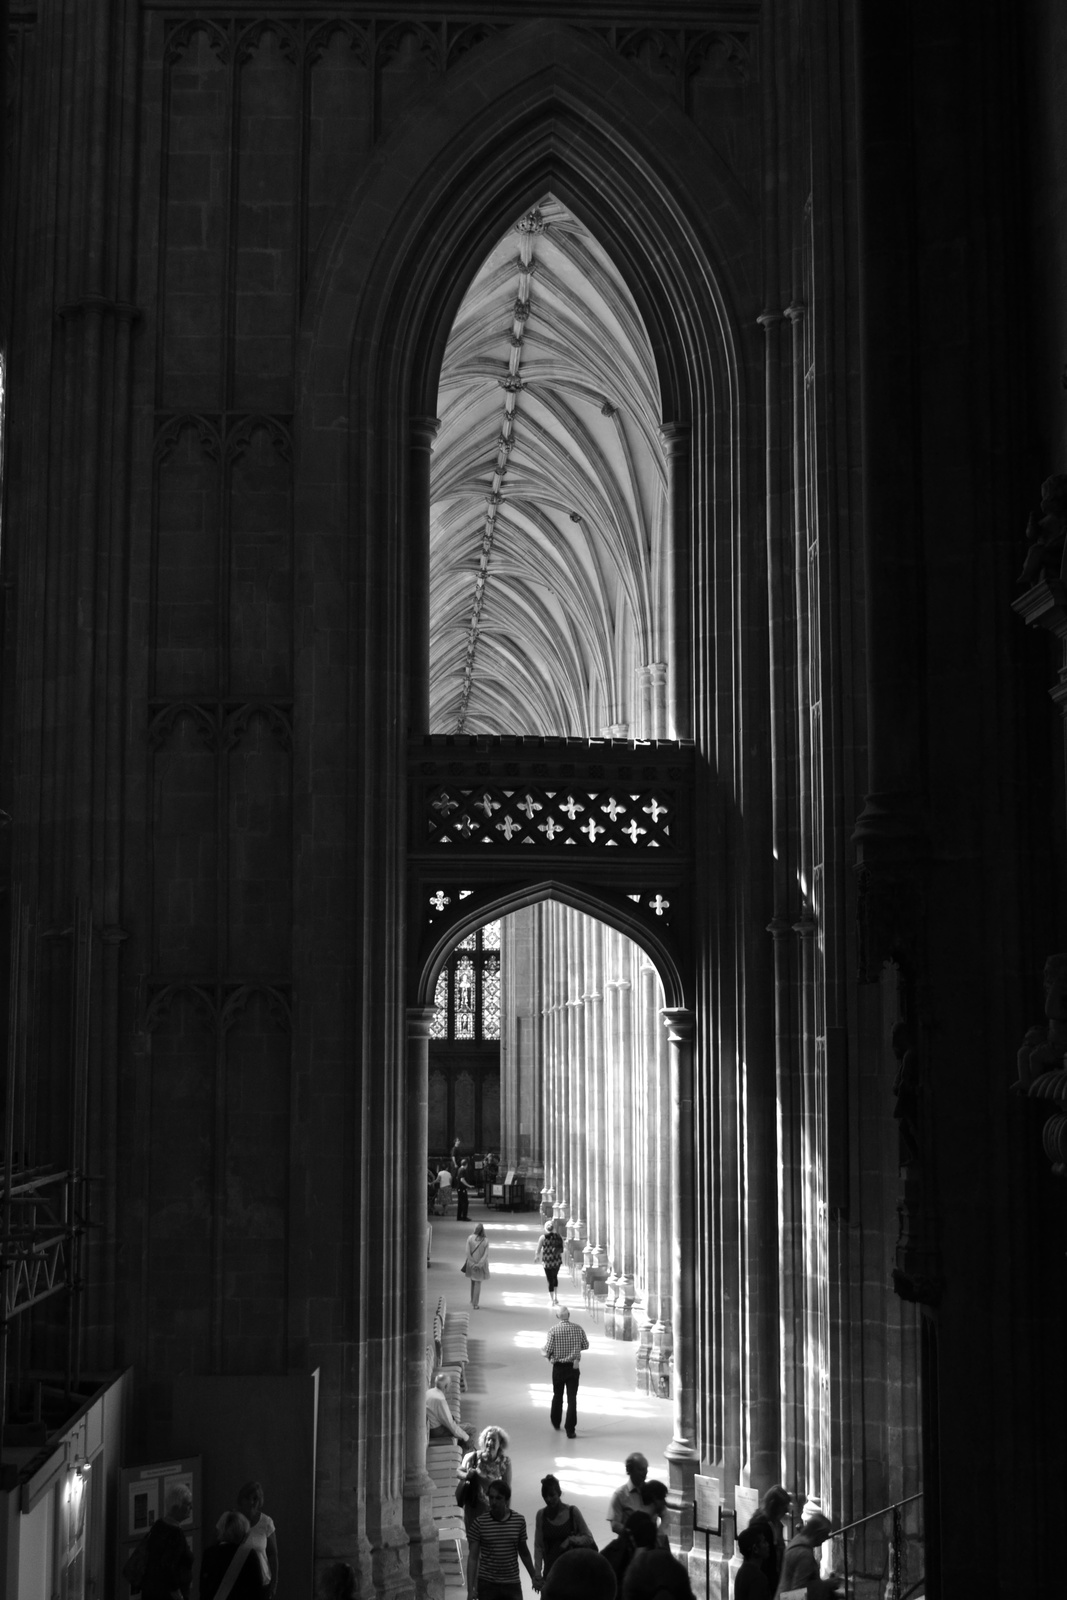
[[547, 1051], [555, 693], [551, 547]]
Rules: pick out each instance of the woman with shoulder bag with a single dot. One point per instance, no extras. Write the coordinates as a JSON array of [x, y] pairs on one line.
[[476, 1266]]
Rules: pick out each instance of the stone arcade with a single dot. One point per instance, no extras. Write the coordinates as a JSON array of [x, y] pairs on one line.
[[565, 464]]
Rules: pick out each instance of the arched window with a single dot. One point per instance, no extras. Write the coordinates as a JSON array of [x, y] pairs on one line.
[[468, 990]]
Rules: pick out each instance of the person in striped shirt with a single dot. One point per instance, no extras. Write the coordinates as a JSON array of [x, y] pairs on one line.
[[563, 1348], [497, 1545]]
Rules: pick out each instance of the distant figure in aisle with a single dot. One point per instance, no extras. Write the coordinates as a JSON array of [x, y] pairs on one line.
[[751, 1581], [498, 1544], [555, 1524], [476, 1265], [550, 1254], [232, 1563], [563, 1348], [444, 1189], [768, 1520], [169, 1568], [628, 1499], [262, 1534], [464, 1185], [439, 1419]]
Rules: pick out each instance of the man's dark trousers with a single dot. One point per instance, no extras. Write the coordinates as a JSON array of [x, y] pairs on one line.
[[565, 1375]]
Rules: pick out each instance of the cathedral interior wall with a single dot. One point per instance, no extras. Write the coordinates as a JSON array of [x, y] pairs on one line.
[[235, 244]]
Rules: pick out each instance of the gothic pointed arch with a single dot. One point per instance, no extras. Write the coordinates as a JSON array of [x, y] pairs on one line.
[[490, 907]]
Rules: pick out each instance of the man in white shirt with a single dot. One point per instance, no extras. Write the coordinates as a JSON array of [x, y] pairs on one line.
[[563, 1348], [439, 1418], [628, 1499]]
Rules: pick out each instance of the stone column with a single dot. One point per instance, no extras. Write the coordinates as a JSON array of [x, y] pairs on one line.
[[575, 1077], [598, 1070], [625, 1079], [643, 709], [616, 1197], [561, 1103], [423, 433], [423, 1551], [675, 438], [658, 674], [659, 1184], [682, 1452]]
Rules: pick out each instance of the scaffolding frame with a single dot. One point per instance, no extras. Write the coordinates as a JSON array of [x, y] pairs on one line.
[[44, 1207]]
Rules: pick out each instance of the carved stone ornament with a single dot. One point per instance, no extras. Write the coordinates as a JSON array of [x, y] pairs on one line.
[[1046, 533], [1041, 1061]]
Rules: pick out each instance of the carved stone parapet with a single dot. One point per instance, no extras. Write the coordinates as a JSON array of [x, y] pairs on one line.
[[1041, 1062]]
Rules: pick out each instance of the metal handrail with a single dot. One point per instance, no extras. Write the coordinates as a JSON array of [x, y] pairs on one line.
[[892, 1589]]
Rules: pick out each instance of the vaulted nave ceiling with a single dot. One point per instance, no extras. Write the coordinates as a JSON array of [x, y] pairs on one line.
[[548, 481]]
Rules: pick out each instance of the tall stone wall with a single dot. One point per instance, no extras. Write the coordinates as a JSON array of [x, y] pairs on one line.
[[233, 244]]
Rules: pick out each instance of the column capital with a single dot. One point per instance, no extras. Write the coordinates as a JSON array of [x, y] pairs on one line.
[[680, 1023], [769, 319], [420, 1021], [424, 431], [796, 311], [675, 436]]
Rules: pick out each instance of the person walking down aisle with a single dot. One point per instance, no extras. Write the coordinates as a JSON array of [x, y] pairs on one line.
[[489, 1458], [628, 1499], [553, 1525], [550, 1254], [476, 1265], [498, 1544], [563, 1348]]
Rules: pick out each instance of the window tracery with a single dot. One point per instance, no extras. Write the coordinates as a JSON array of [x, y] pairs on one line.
[[467, 995]]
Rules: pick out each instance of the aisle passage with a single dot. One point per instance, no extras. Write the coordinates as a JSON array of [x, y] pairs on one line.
[[509, 1380]]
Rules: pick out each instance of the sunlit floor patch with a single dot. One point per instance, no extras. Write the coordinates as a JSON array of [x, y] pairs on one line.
[[599, 1402], [590, 1476]]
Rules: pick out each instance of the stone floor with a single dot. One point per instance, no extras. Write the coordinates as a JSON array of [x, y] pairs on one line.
[[509, 1380]]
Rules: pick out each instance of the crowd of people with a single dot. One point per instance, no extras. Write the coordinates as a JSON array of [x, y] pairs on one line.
[[637, 1564], [462, 1174], [565, 1563], [242, 1563]]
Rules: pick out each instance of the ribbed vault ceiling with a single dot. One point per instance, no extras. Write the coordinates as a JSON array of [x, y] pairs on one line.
[[547, 495]]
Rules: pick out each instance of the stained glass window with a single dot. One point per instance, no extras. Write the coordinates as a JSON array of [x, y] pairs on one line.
[[439, 1025], [463, 988], [491, 998], [467, 996]]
